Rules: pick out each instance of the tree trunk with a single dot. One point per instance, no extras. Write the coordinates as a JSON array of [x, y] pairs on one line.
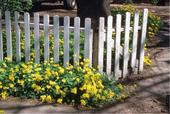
[[93, 9]]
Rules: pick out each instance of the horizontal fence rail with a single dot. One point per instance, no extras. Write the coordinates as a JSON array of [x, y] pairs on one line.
[[121, 46]]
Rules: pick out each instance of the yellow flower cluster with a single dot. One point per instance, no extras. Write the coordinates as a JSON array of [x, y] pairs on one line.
[[147, 60], [50, 82], [46, 98]]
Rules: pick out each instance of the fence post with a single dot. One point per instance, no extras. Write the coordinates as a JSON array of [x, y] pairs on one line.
[[66, 40], [1, 41], [27, 36], [37, 38], [134, 41], [101, 43], [117, 46], [143, 38], [8, 34], [56, 38], [46, 37], [109, 45], [76, 39]]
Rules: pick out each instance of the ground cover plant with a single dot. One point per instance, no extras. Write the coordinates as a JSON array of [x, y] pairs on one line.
[[50, 82]]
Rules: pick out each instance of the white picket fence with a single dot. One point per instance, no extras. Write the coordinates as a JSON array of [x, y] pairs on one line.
[[118, 59]]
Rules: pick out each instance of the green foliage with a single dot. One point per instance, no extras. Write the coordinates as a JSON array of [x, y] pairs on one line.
[[154, 2], [51, 43], [50, 82], [15, 5], [154, 22]]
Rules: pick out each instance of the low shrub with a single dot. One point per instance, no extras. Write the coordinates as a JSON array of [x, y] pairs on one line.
[[15, 5], [52, 83]]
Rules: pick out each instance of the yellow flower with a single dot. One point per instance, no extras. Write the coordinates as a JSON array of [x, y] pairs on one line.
[[37, 69], [60, 100], [86, 60], [8, 59], [2, 111], [85, 95], [33, 86], [62, 93], [11, 85], [52, 83], [21, 82], [48, 86], [37, 88], [48, 71], [78, 79], [83, 102], [3, 95], [61, 71], [57, 87], [37, 77], [74, 90], [61, 53], [63, 80], [56, 73], [147, 60], [43, 98], [49, 99], [11, 77], [5, 88], [2, 70], [43, 89], [111, 94]]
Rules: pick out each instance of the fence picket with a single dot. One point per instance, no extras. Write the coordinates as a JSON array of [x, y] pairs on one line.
[[126, 45], [87, 41], [1, 41], [101, 43], [18, 45], [27, 36], [8, 34], [66, 40], [109, 45], [117, 46], [56, 38], [90, 47], [134, 41], [37, 38], [46, 37], [104, 35], [143, 38], [76, 40]]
